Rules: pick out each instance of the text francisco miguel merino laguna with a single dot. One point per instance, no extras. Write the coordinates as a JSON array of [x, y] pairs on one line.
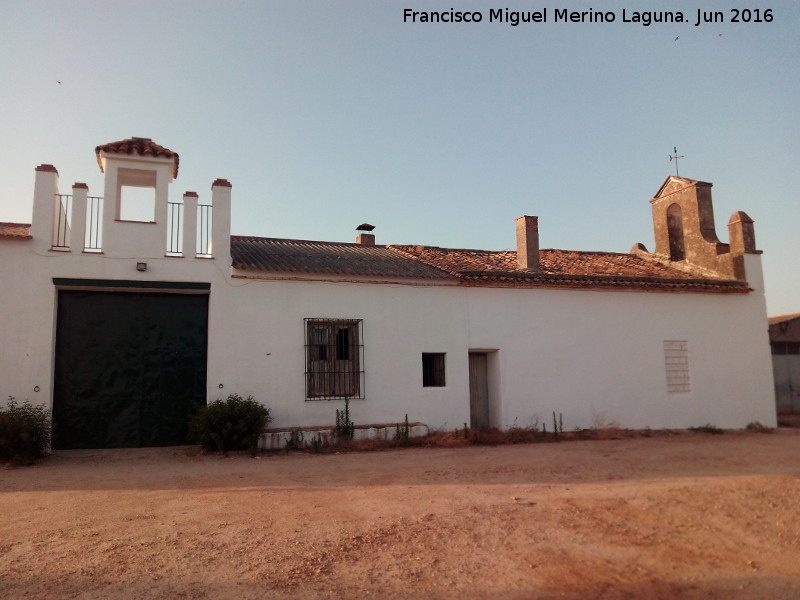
[[564, 15]]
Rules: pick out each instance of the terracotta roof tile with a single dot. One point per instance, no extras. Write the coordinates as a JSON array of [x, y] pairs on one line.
[[332, 258], [15, 230], [561, 268], [140, 146]]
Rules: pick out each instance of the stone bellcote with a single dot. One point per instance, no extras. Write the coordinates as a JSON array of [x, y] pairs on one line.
[[683, 222]]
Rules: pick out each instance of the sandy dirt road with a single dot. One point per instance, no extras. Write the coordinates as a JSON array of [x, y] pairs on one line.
[[688, 515]]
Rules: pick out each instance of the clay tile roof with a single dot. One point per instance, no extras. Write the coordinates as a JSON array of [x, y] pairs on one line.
[[15, 230], [559, 268], [562, 268], [140, 146], [332, 258]]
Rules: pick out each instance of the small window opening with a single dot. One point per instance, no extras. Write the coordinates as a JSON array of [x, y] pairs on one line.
[[677, 248], [433, 371], [137, 204]]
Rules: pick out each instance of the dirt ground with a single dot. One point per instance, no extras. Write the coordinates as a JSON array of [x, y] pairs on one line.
[[687, 515]]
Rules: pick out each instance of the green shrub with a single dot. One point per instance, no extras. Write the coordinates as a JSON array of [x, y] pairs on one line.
[[708, 428], [25, 431], [230, 424], [756, 426]]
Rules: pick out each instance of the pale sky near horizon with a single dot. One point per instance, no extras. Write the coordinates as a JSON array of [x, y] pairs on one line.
[[324, 115]]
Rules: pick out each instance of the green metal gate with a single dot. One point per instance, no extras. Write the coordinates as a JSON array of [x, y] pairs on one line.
[[130, 368]]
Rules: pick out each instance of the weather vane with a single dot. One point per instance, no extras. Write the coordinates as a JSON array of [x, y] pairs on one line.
[[676, 157]]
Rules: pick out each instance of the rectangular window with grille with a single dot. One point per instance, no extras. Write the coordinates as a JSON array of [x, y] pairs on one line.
[[334, 359], [433, 369], [676, 361]]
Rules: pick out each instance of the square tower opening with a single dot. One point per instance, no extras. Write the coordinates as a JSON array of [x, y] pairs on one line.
[[137, 195]]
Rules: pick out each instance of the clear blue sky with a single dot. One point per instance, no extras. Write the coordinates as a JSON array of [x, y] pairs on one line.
[[324, 115]]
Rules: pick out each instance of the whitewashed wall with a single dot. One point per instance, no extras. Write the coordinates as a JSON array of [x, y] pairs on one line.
[[260, 330], [590, 356], [599, 356], [28, 305]]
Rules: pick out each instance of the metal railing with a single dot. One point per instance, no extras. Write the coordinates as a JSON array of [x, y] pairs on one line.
[[61, 217], [93, 236], [204, 232], [174, 229], [93, 240]]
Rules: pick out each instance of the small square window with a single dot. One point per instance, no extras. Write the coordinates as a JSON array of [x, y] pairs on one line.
[[433, 369]]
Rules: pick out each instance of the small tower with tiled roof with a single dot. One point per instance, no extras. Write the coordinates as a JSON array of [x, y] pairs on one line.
[[134, 219], [137, 175]]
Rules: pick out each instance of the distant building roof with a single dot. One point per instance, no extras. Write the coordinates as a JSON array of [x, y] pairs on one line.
[[783, 318], [15, 230], [140, 146]]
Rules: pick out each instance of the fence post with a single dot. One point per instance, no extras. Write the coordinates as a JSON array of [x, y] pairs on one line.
[[221, 220], [190, 225], [44, 199]]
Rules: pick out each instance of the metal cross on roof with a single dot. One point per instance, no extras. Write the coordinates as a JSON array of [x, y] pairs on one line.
[[676, 157]]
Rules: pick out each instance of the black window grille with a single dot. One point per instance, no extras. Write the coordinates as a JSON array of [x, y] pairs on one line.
[[433, 369], [334, 359]]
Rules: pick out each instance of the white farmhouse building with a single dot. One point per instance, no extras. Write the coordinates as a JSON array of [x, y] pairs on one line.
[[123, 314]]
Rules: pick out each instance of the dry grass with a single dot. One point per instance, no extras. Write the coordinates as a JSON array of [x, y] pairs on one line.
[[463, 437]]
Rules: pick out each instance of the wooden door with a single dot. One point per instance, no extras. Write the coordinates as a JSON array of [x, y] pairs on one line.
[[478, 390]]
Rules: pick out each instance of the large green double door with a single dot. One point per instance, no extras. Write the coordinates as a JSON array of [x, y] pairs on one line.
[[130, 368]]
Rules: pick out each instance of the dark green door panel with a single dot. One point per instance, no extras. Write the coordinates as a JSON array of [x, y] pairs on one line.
[[130, 368]]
